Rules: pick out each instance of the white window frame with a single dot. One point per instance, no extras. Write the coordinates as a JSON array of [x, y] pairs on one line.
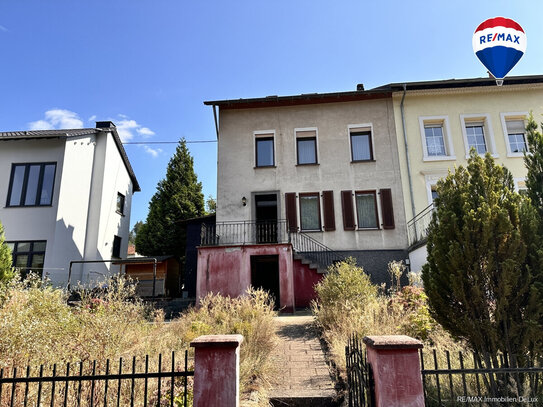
[[264, 133], [431, 181], [505, 117], [447, 140], [353, 128], [517, 181], [302, 129], [487, 128]]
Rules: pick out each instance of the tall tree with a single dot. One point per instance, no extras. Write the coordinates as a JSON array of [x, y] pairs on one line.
[[134, 232], [534, 164], [484, 255], [6, 270], [178, 197]]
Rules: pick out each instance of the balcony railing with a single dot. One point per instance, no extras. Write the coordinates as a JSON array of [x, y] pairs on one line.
[[244, 232], [417, 228]]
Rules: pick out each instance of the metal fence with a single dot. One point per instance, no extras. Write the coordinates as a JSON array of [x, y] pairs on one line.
[[119, 383], [244, 232], [360, 384], [456, 379], [417, 228], [313, 250]]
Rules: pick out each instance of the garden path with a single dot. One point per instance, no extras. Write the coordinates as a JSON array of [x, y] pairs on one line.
[[303, 377]]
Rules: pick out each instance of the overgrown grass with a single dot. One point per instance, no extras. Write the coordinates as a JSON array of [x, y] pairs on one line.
[[347, 302], [37, 326]]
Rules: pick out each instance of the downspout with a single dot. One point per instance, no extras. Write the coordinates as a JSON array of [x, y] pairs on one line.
[[407, 158]]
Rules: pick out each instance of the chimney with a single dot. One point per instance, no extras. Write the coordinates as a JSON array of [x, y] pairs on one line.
[[360, 87], [104, 125]]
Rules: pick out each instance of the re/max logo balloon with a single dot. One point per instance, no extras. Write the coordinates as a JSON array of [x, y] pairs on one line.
[[499, 43], [499, 37]]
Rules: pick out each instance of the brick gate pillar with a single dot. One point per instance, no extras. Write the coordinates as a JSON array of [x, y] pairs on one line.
[[395, 363], [216, 370]]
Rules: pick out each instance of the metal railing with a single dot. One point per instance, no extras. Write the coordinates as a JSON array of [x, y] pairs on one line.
[[313, 250], [268, 232], [417, 228], [467, 378], [360, 384], [244, 232], [100, 383]]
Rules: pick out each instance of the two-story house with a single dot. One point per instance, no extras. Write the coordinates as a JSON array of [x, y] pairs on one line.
[[303, 181], [67, 197], [438, 122]]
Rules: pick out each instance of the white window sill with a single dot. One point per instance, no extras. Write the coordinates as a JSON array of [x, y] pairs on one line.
[[483, 155], [439, 158], [518, 155]]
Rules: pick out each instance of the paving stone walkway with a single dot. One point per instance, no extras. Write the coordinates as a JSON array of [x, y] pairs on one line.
[[303, 374]]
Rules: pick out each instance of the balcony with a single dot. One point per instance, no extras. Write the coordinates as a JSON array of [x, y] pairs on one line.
[[244, 232], [417, 228]]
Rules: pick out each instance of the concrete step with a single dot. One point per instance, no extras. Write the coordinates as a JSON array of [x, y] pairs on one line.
[[307, 400]]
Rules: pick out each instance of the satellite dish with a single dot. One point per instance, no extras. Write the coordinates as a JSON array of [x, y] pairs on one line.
[[499, 43]]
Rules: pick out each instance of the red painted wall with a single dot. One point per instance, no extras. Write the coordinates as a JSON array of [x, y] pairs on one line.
[[227, 270], [304, 281]]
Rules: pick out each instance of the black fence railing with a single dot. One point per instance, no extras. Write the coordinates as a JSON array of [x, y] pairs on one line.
[[456, 379], [132, 382], [313, 250], [360, 385], [417, 228], [244, 232]]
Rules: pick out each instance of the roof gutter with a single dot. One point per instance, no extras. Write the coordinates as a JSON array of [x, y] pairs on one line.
[[402, 112]]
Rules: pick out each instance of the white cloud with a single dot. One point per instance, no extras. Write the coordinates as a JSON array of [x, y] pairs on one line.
[[153, 152], [57, 119], [40, 125], [146, 132], [92, 118], [2, 28]]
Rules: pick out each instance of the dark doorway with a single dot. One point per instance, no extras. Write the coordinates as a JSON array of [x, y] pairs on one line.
[[266, 218], [265, 275]]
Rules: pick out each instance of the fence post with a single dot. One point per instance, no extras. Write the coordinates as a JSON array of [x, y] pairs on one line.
[[396, 370], [216, 370]]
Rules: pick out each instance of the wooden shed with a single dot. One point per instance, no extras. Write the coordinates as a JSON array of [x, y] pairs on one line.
[[167, 281]]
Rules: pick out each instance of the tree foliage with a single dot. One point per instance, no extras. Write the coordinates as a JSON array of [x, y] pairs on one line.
[[6, 270], [534, 164], [134, 232], [178, 197], [485, 261]]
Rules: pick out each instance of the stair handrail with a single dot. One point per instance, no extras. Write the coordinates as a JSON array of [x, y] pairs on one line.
[[303, 243]]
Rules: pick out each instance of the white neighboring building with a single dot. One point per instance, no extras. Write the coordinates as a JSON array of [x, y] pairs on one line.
[[67, 196]]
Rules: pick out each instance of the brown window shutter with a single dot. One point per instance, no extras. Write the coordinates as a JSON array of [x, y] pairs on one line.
[[386, 208], [290, 205], [328, 208], [348, 210]]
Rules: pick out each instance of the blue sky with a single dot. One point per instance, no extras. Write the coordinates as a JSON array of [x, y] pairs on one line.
[[149, 65]]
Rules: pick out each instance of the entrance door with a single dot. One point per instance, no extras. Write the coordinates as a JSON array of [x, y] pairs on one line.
[[266, 218], [265, 275]]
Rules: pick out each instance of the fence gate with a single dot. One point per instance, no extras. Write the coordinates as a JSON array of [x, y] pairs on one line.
[[359, 375]]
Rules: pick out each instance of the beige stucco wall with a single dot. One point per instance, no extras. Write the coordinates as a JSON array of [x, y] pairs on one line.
[[490, 101], [238, 177]]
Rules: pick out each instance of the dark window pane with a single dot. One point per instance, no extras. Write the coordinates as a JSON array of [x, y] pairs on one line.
[[116, 252], [434, 194], [365, 207], [11, 246], [37, 262], [38, 247], [264, 152], [21, 261], [120, 203], [23, 247], [360, 144], [307, 153], [47, 186], [309, 212], [17, 185], [32, 184]]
